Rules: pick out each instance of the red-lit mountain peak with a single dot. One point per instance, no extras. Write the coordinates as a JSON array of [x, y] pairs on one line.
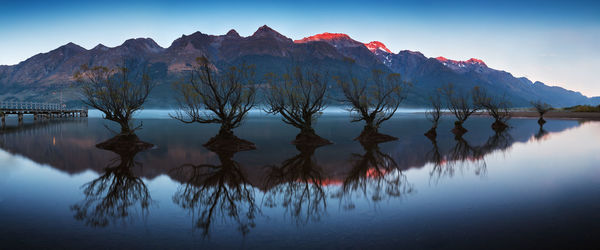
[[476, 61], [324, 37], [441, 59], [472, 61], [376, 45]]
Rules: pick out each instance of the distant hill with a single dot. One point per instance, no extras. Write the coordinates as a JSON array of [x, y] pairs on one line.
[[48, 76]]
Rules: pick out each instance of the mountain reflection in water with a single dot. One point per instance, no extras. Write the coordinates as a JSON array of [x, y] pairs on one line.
[[69, 145], [234, 188]]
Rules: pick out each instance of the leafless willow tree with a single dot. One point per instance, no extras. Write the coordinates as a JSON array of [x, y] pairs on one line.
[[461, 104], [299, 97], [542, 108], [223, 98], [497, 107], [373, 101], [115, 92], [434, 114]]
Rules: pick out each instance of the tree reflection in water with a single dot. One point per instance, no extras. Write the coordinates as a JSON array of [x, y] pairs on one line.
[[112, 196], [298, 186], [375, 176], [217, 191], [463, 156], [541, 134]]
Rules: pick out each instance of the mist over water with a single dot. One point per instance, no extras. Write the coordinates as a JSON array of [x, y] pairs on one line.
[[165, 113]]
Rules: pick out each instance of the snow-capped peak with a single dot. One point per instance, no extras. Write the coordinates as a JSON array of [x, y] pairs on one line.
[[472, 61], [376, 45]]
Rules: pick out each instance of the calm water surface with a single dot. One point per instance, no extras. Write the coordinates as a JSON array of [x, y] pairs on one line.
[[526, 188]]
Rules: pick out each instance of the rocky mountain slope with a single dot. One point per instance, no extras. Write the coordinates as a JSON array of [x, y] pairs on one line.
[[48, 76]]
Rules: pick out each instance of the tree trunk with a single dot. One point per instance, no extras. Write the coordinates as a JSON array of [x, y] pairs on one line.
[[371, 133], [307, 130], [370, 129], [225, 131], [225, 140], [308, 136], [125, 129]]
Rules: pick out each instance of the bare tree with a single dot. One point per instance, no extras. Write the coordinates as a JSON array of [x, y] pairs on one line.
[[462, 105], [542, 108], [299, 96], [373, 101], [115, 92], [497, 107], [222, 98], [434, 114]]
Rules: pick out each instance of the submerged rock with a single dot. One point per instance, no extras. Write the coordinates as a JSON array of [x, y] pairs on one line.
[[310, 139], [125, 144], [499, 126], [541, 121], [372, 136], [229, 142], [431, 133]]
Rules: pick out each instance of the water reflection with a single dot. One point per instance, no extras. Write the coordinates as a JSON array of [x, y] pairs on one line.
[[463, 155], [345, 194], [226, 191], [64, 144], [219, 191], [70, 145], [298, 186], [541, 134], [374, 175], [113, 196]]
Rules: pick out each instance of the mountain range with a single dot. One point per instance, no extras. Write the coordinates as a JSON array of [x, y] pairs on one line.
[[48, 76]]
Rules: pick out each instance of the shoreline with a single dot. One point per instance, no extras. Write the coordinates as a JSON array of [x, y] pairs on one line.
[[550, 115]]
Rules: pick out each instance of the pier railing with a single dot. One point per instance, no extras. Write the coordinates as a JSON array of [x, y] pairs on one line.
[[36, 106]]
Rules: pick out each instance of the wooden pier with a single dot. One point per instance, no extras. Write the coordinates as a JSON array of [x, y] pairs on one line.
[[39, 110]]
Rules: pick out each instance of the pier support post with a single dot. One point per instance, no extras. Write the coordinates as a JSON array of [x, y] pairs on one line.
[[3, 118], [20, 117]]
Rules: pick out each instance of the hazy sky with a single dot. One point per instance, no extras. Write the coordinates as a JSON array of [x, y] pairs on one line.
[[555, 42]]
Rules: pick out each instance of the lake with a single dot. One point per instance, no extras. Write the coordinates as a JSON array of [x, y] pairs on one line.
[[525, 188]]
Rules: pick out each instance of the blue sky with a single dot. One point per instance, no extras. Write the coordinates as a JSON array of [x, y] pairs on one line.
[[556, 42]]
